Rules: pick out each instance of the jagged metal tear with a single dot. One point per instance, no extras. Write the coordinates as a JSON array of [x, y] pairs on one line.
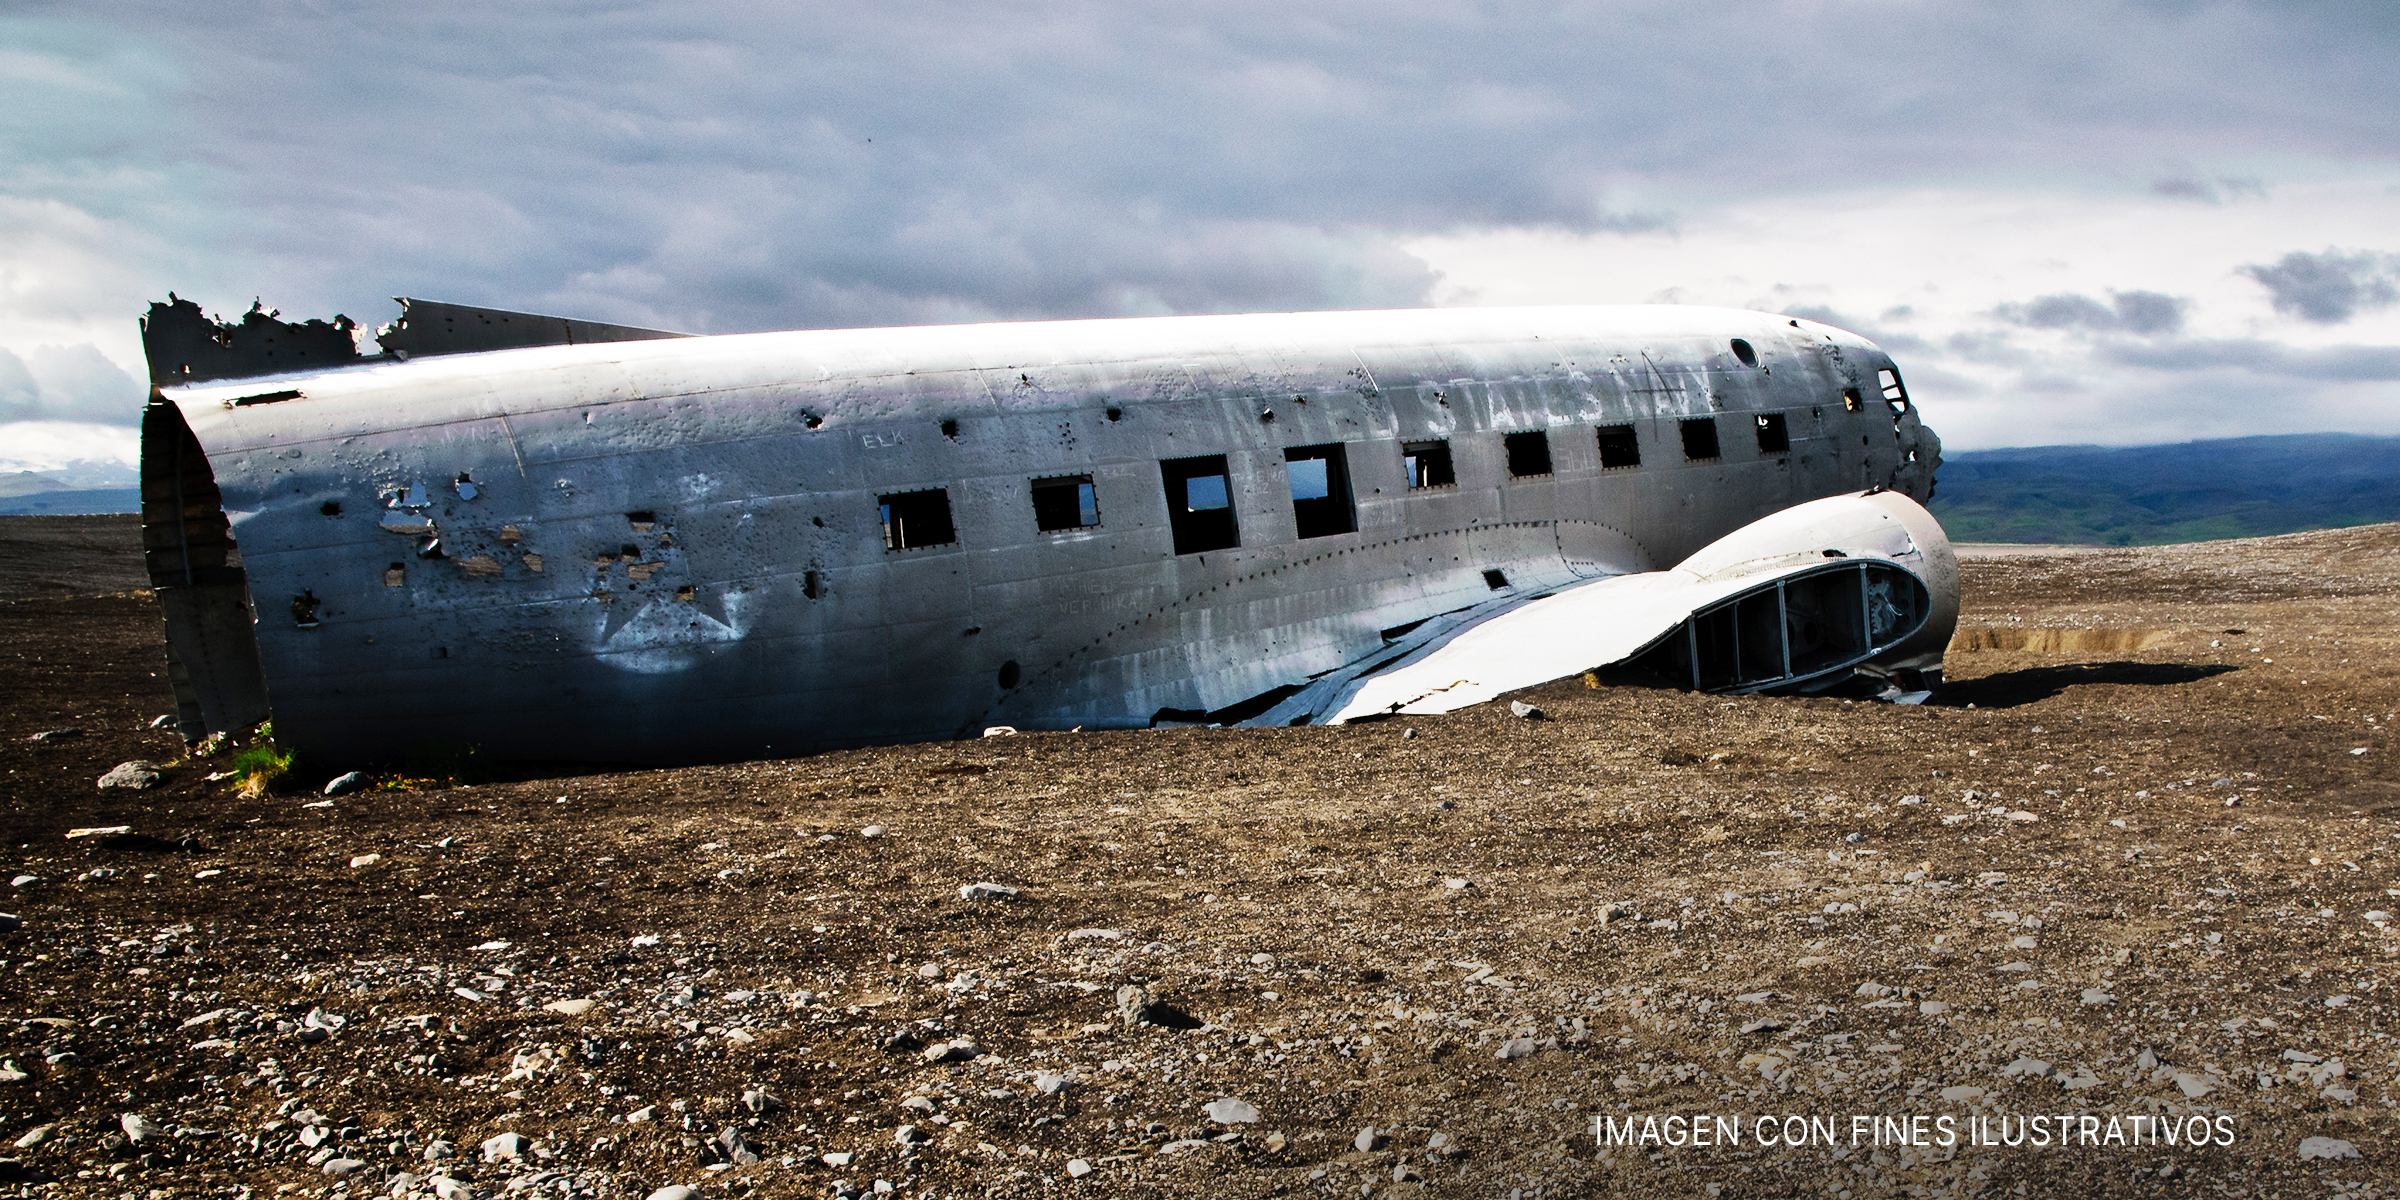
[[1612, 621], [185, 345]]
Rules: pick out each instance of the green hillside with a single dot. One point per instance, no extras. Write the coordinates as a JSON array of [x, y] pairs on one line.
[[2187, 492]]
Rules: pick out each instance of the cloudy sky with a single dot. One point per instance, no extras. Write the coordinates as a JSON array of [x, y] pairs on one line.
[[2070, 222]]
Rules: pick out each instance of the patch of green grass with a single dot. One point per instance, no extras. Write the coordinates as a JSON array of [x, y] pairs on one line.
[[261, 764]]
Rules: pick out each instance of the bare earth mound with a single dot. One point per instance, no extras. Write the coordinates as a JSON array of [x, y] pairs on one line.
[[2132, 864]]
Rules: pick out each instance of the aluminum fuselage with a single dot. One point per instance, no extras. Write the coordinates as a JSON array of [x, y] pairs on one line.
[[674, 549]]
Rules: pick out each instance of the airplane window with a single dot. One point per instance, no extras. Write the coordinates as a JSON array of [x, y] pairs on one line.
[[1894, 392], [913, 519], [1065, 502], [1427, 464], [1308, 478], [1700, 438], [1320, 490], [1772, 436], [1742, 351], [1528, 454], [1200, 503], [1618, 447], [1206, 493]]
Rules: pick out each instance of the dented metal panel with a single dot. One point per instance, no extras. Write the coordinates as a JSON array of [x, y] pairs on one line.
[[675, 548]]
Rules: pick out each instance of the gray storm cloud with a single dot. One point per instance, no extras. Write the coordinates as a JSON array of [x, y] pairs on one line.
[[2331, 287], [2145, 313], [67, 383], [690, 166], [694, 166]]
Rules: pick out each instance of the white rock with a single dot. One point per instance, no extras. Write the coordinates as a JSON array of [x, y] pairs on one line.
[[139, 1128], [839, 1158], [446, 1188], [2192, 1085], [986, 891], [872, 831], [365, 860], [342, 785], [1961, 1093], [676, 1192], [1523, 711], [1099, 935], [2019, 965], [1933, 1008], [647, 1112], [2301, 1056], [1516, 1048], [570, 1008], [2325, 1147], [1077, 1168], [1051, 1083], [338, 1167], [1000, 731], [2026, 1066], [501, 1147], [136, 775], [2096, 996], [1229, 1111]]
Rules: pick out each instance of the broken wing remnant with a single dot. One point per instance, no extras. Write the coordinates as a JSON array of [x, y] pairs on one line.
[[432, 327], [648, 548], [1804, 600]]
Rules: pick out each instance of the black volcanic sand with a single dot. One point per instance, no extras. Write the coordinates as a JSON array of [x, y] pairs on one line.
[[2126, 869]]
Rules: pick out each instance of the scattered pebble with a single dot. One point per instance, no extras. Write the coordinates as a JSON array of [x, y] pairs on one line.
[[2325, 1147]]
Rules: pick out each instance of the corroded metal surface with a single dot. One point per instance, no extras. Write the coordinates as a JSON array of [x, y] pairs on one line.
[[708, 546]]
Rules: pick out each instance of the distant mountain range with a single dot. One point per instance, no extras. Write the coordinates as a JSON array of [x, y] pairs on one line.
[[2186, 492], [2085, 495], [31, 492]]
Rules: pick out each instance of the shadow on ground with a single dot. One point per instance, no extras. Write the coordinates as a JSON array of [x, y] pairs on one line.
[[2008, 689]]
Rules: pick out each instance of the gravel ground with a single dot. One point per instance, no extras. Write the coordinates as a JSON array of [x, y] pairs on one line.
[[2133, 863]]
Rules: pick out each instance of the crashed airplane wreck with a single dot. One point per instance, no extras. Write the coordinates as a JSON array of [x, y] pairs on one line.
[[570, 540]]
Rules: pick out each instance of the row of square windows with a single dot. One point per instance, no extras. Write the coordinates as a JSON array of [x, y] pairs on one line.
[[1200, 499]]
